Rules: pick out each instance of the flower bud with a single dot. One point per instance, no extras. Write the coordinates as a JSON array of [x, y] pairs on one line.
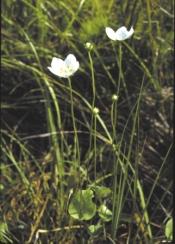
[[89, 46], [114, 97], [95, 111]]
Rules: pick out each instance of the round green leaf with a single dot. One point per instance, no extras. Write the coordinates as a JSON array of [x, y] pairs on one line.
[[105, 213], [169, 229], [81, 206]]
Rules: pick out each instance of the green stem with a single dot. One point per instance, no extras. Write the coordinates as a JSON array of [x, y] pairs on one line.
[[95, 149], [121, 75], [93, 98], [76, 141]]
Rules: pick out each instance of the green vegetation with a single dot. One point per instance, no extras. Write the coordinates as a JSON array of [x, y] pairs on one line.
[[169, 229], [86, 159]]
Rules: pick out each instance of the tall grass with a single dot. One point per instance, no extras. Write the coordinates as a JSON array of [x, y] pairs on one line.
[[105, 133]]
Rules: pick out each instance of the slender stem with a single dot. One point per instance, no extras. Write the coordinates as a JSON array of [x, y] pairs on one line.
[[93, 118], [93, 78], [76, 141], [120, 67], [115, 168], [120, 74], [114, 120], [95, 149], [93, 98]]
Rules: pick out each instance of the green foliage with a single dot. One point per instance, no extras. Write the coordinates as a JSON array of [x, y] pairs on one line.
[[93, 24], [169, 229], [4, 233], [105, 213], [92, 27], [81, 206], [95, 229], [51, 140], [101, 191]]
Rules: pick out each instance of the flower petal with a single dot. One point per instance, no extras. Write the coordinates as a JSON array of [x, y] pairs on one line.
[[122, 33], [70, 60], [58, 67], [56, 62], [71, 63], [55, 72], [131, 31], [76, 66], [110, 33]]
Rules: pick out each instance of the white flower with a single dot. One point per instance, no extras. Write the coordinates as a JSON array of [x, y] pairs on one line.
[[120, 35], [64, 68]]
